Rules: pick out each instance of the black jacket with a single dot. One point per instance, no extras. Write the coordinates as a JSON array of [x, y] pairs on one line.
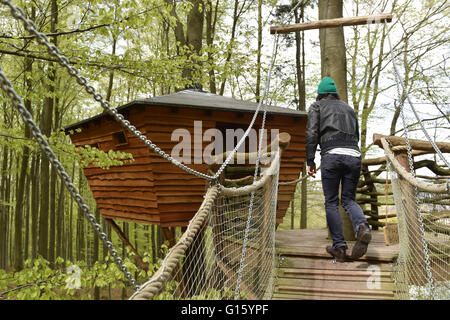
[[331, 124]]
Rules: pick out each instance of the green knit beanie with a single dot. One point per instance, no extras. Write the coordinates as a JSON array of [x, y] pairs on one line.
[[327, 85]]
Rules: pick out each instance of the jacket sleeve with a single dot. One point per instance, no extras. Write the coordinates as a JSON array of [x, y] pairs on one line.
[[312, 133]]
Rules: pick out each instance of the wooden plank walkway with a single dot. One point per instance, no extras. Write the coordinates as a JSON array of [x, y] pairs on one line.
[[307, 271]]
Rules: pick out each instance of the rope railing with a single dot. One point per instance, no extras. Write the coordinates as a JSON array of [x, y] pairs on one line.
[[233, 206], [152, 287], [422, 269], [421, 185]]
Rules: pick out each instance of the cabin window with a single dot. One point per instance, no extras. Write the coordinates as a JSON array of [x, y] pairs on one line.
[[119, 138]]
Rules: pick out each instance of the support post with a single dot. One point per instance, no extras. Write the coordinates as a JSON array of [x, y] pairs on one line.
[[416, 267], [125, 240]]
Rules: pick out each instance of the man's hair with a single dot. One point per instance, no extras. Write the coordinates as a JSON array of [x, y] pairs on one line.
[[326, 95]]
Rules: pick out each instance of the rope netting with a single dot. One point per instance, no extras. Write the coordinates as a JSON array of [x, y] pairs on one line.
[[422, 270], [228, 249]]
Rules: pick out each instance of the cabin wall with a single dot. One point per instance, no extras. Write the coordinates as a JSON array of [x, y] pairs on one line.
[[125, 192], [152, 190]]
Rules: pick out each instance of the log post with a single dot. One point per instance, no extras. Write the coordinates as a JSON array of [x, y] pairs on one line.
[[414, 249], [333, 23], [417, 268]]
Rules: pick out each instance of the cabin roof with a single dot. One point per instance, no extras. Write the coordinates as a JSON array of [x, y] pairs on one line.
[[201, 100]]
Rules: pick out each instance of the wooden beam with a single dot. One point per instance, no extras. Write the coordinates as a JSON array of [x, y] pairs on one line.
[[332, 23], [415, 143], [122, 236]]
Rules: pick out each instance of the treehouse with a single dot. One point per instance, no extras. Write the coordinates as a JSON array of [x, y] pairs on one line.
[[152, 190]]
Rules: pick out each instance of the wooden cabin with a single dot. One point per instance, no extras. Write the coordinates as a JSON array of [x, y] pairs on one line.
[[152, 190]]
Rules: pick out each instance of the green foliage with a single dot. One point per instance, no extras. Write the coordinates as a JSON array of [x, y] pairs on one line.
[[65, 280]]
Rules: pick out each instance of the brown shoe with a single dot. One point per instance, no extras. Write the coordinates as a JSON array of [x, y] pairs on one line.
[[339, 254], [362, 242]]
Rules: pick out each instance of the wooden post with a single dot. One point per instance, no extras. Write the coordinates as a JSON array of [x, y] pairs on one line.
[[417, 268], [125, 240], [332, 23], [374, 197]]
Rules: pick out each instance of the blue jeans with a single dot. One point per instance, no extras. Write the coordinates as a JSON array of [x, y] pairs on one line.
[[337, 170]]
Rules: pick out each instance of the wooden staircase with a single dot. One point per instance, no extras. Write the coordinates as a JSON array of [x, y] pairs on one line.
[[306, 271]]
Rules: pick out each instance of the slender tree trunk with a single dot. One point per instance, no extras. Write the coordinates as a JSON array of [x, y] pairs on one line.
[[80, 223], [52, 235], [4, 211], [20, 195], [70, 228], [111, 74], [27, 217], [60, 223], [232, 38], [96, 253], [35, 206], [300, 67], [210, 31], [258, 53], [46, 128], [154, 254]]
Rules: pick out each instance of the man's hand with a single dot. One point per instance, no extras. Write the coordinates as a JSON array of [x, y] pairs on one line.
[[312, 171]]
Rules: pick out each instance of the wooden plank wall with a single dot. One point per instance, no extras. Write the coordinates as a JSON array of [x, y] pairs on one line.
[[151, 190]]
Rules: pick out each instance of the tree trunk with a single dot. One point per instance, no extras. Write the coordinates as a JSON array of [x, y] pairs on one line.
[[46, 128], [194, 35], [154, 255], [60, 223], [27, 217], [334, 65], [20, 195], [230, 50], [4, 214], [300, 68], [258, 53], [111, 73], [210, 31], [70, 228], [35, 206], [80, 251], [332, 47]]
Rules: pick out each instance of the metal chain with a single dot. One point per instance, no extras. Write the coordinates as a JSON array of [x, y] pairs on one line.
[[255, 174], [399, 80], [44, 145], [252, 197], [411, 167]]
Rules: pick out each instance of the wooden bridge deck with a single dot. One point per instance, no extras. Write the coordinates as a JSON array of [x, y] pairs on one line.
[[307, 271]]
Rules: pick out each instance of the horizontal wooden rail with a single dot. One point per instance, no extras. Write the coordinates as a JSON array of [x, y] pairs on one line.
[[415, 143], [332, 23]]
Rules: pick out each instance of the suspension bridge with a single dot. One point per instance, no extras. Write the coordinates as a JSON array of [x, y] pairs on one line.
[[230, 248]]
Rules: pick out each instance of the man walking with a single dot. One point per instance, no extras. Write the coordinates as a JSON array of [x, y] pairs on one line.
[[333, 125]]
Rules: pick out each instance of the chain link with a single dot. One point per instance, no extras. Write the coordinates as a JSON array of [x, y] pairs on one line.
[[44, 145]]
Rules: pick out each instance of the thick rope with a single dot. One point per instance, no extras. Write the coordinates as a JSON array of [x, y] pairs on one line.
[[421, 185], [154, 286]]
